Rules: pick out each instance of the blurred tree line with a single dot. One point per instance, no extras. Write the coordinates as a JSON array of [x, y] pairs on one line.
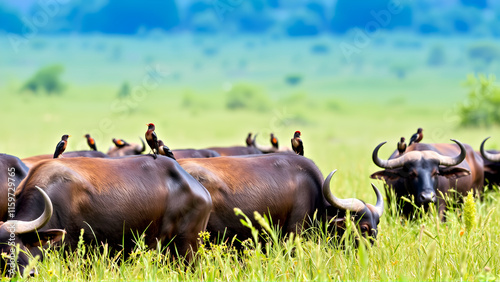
[[482, 106], [293, 18], [46, 80]]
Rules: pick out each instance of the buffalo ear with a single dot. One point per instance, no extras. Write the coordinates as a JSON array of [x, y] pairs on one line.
[[41, 238], [339, 222], [385, 175], [333, 216], [454, 172], [493, 169]]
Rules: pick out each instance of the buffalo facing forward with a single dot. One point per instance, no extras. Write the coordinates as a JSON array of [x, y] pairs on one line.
[[425, 171]]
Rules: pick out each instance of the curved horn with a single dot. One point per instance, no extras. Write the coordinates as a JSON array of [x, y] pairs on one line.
[[254, 138], [22, 227], [395, 163], [352, 204], [451, 161], [143, 147], [489, 156], [380, 201]]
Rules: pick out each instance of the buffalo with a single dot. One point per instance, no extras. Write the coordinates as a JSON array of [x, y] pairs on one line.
[[425, 171], [31, 161], [194, 153], [113, 200], [288, 188], [235, 151]]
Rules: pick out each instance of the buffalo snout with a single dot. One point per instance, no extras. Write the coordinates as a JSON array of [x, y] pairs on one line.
[[426, 198]]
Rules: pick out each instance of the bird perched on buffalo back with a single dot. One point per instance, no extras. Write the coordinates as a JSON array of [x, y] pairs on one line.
[[401, 146], [417, 137], [120, 143], [61, 146], [152, 139], [249, 140], [297, 145], [165, 150], [91, 142], [274, 141]]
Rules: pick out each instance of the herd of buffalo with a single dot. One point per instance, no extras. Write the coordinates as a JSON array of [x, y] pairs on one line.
[[170, 196]]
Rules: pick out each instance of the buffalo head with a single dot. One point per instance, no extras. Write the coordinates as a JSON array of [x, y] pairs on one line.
[[416, 174], [28, 236], [365, 216]]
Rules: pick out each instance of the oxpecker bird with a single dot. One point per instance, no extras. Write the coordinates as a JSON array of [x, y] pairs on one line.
[[417, 137], [297, 145], [91, 142], [61, 146], [165, 150], [120, 143], [274, 141], [249, 140], [401, 146], [152, 139]]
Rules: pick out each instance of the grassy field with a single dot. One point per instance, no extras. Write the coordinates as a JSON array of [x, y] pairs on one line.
[[343, 110], [423, 250]]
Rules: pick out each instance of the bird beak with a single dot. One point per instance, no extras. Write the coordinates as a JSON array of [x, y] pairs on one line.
[[69, 135]]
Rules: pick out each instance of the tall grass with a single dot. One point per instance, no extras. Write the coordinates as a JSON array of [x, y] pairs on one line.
[[417, 250]]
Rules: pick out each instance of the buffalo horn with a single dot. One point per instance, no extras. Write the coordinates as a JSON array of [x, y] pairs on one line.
[[22, 227], [489, 156], [380, 201], [352, 204], [389, 164], [451, 161], [140, 151]]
